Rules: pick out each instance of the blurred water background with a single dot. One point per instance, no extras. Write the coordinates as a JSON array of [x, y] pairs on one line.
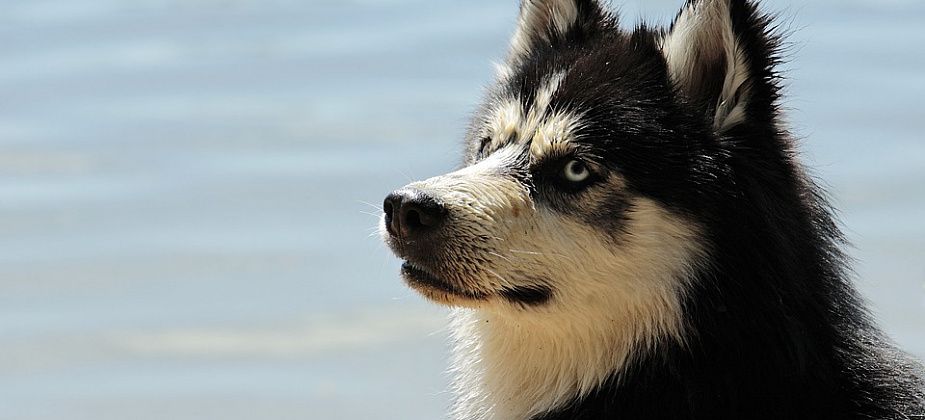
[[188, 192]]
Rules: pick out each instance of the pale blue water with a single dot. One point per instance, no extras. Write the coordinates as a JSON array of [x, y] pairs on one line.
[[183, 227]]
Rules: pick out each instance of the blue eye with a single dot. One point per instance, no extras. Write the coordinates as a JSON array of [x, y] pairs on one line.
[[575, 171]]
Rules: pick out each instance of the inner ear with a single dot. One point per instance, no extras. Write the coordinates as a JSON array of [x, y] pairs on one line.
[[554, 23], [708, 62]]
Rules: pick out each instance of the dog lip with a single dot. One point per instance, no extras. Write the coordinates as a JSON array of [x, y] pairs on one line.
[[419, 276], [527, 295]]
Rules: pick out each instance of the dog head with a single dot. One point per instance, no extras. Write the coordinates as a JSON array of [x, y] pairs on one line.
[[590, 166]]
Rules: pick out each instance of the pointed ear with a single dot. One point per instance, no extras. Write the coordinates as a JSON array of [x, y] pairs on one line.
[[550, 23], [721, 54]]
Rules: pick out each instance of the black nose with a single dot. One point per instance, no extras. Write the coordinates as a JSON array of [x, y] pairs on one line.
[[410, 213]]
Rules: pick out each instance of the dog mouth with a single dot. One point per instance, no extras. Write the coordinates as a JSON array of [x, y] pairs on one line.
[[441, 291], [436, 288]]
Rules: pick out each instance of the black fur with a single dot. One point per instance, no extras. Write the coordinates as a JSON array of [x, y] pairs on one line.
[[533, 295], [775, 329]]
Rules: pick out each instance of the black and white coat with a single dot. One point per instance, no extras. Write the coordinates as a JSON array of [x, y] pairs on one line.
[[631, 236]]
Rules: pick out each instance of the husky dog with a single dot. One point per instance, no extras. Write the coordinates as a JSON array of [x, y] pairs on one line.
[[631, 237]]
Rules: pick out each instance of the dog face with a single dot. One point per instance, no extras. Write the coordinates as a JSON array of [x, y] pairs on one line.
[[608, 180], [586, 169]]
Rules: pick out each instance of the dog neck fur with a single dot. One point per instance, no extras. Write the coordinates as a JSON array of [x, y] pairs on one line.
[[516, 363]]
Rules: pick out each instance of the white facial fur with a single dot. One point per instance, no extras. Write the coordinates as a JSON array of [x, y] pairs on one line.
[[613, 294], [610, 300], [611, 297], [703, 33], [544, 129]]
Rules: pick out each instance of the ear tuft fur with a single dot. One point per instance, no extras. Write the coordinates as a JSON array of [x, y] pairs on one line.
[[720, 54], [554, 22]]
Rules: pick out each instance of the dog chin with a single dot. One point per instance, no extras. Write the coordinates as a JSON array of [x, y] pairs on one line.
[[438, 290]]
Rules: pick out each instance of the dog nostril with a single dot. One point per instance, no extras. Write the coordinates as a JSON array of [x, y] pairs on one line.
[[387, 208], [413, 219], [429, 217], [411, 212], [390, 206]]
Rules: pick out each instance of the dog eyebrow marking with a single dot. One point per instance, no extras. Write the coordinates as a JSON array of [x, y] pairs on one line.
[[544, 129], [546, 91], [554, 134]]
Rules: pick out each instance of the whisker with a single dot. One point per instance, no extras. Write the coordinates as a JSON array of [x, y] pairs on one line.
[[500, 256], [520, 251], [537, 253], [378, 208], [406, 175], [373, 231], [376, 215], [497, 275]]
